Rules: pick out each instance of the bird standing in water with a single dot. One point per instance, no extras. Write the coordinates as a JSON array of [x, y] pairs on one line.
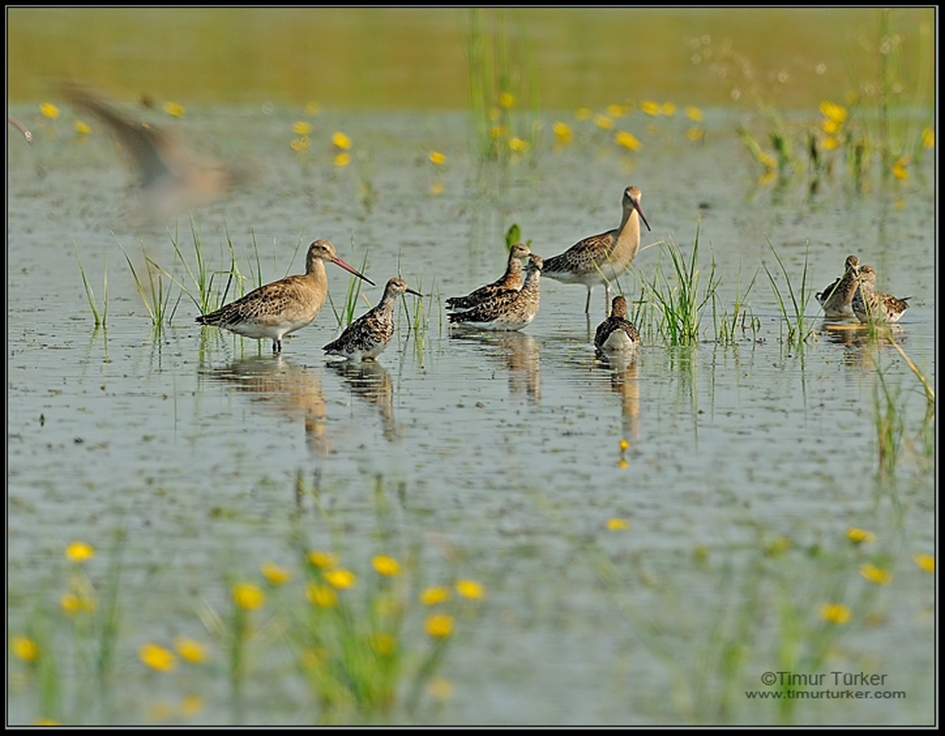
[[282, 307], [617, 334], [512, 279], [369, 334], [871, 306], [599, 258], [837, 299], [510, 309]]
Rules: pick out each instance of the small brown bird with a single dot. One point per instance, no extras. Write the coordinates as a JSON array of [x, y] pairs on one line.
[[617, 334], [511, 279], [277, 309], [511, 309], [837, 299], [871, 306], [171, 177], [599, 258], [369, 334]]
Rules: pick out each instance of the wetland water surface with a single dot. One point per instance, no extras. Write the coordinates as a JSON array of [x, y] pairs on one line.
[[493, 457]]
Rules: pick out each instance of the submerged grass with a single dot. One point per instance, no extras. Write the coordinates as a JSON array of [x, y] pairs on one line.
[[792, 303], [98, 316], [155, 295]]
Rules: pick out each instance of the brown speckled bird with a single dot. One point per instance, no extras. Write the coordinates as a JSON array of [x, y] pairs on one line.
[[837, 299], [510, 309], [871, 306], [512, 279], [617, 334]]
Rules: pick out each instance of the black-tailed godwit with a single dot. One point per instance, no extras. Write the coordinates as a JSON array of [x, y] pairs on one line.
[[277, 309], [599, 258]]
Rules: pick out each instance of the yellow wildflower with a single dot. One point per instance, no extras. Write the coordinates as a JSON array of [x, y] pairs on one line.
[[668, 109], [497, 131], [603, 122], [302, 127], [562, 132], [518, 145], [925, 562], [616, 111], [321, 596], [157, 657], [191, 705], [440, 689], [25, 648], [275, 574], [627, 140], [385, 565], [439, 625], [342, 159], [833, 112], [830, 143], [248, 596], [622, 463], [82, 128], [311, 108], [860, 535], [73, 603], [384, 644], [835, 613], [875, 574], [80, 551], [617, 524], [899, 169], [433, 595], [695, 133], [190, 650], [322, 559], [340, 140], [470, 589], [650, 108], [174, 109], [437, 158], [49, 110], [928, 138], [340, 578], [299, 144], [506, 100], [624, 445], [830, 127], [694, 113]]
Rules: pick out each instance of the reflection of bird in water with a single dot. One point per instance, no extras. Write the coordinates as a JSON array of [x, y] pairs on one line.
[[289, 389], [871, 306], [837, 299], [598, 259], [509, 309], [20, 127], [519, 352], [617, 334], [624, 379], [277, 309], [369, 334], [512, 280], [171, 177], [370, 381]]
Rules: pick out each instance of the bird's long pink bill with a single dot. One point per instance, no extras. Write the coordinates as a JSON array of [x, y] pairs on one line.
[[338, 262], [636, 206]]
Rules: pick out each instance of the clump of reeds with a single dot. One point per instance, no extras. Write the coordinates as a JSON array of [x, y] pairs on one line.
[[98, 316], [792, 303]]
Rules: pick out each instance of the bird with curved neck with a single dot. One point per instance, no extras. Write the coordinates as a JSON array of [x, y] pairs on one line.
[[598, 259], [282, 307], [837, 299], [511, 279], [369, 334], [871, 306], [617, 334], [507, 310]]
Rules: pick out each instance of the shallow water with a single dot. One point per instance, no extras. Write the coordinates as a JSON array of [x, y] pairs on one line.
[[503, 448]]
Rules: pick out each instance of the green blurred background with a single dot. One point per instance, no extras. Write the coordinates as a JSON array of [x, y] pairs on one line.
[[416, 58]]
